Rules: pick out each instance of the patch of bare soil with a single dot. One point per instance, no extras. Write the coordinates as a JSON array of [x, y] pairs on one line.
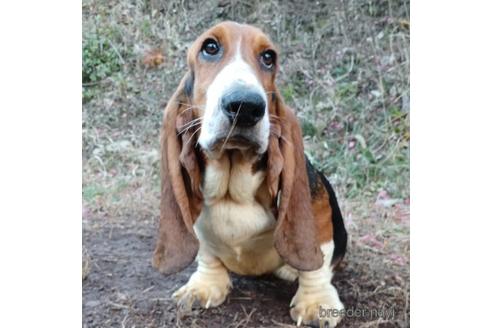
[[121, 289]]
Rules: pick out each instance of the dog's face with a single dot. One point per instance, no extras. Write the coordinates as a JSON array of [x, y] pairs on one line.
[[232, 87]]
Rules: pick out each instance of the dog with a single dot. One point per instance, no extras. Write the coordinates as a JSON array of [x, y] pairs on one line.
[[237, 192]]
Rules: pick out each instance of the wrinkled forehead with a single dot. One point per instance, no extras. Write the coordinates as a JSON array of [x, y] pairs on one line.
[[233, 37]]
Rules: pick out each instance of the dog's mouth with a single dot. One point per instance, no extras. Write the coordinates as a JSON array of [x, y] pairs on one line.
[[238, 141]]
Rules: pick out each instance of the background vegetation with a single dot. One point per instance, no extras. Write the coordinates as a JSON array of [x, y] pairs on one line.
[[344, 68]]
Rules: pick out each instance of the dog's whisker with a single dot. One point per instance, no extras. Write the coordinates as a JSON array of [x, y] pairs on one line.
[[189, 107], [191, 138], [231, 129], [190, 127], [190, 124], [199, 119]]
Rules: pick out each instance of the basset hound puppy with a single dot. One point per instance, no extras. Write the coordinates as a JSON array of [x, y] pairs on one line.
[[238, 194]]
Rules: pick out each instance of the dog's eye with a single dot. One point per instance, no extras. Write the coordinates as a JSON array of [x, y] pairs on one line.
[[210, 47], [268, 58]]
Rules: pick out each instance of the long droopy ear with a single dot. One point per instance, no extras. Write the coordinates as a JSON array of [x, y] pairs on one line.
[[295, 233], [180, 204]]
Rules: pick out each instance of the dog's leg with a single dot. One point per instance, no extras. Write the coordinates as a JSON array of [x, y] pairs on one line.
[[209, 285], [317, 295]]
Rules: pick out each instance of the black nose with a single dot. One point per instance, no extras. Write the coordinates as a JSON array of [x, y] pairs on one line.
[[244, 106]]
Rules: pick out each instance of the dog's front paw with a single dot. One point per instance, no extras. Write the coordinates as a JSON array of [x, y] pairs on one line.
[[316, 307], [208, 290]]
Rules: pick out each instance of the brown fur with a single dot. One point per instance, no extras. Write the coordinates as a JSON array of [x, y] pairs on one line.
[[322, 211], [180, 205], [301, 221], [295, 234]]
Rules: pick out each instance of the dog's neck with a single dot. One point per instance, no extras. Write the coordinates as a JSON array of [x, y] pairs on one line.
[[236, 175]]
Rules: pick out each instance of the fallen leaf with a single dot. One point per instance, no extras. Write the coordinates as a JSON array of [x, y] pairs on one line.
[[153, 58]]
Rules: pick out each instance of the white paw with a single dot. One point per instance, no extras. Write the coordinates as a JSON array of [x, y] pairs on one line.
[[208, 290], [308, 304]]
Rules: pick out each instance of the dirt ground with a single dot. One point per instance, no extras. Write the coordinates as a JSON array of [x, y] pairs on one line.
[[121, 289]]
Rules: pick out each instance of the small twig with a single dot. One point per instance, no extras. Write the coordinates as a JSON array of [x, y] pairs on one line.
[[245, 320], [118, 306], [147, 290], [280, 324]]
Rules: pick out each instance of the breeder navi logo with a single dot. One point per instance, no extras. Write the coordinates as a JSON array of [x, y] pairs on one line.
[[369, 314]]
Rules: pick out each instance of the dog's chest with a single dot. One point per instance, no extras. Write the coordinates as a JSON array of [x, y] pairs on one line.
[[236, 223]]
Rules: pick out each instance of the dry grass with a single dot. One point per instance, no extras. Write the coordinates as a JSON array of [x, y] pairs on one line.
[[86, 263], [344, 68]]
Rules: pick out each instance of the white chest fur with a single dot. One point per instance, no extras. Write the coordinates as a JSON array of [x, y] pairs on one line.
[[233, 225]]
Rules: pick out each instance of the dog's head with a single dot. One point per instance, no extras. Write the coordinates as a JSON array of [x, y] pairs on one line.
[[228, 100], [231, 87]]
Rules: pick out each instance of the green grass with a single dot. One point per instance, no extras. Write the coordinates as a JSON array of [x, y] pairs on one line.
[[344, 69], [99, 59]]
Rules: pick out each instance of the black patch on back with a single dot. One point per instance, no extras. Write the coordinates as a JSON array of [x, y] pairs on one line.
[[339, 232], [313, 178], [189, 83]]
